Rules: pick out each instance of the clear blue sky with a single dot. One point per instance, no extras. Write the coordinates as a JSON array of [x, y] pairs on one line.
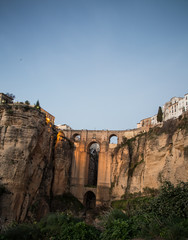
[[95, 64]]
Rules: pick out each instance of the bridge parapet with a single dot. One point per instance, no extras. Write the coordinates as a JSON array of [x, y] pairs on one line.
[[101, 135]]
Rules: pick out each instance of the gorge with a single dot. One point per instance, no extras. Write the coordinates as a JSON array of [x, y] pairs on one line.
[[38, 162]]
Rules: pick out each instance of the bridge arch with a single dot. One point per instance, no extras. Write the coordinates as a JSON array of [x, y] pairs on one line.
[[113, 139], [76, 137], [89, 200], [93, 150], [91, 143]]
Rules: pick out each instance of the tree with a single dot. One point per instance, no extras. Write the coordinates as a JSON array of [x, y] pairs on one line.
[[160, 115], [10, 95], [37, 105], [27, 102]]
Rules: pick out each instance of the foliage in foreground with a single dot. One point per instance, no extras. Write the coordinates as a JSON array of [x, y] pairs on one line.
[[164, 217], [57, 226]]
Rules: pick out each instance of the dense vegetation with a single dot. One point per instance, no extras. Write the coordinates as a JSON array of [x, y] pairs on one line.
[[164, 216]]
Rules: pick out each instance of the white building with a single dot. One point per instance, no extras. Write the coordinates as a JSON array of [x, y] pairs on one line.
[[64, 127], [172, 109], [154, 120], [175, 107]]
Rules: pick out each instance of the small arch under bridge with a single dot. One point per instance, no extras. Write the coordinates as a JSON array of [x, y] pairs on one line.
[[81, 158]]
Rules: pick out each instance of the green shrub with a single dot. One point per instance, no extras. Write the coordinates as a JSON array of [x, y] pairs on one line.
[[172, 201], [150, 225], [175, 230], [131, 204], [51, 225], [21, 232], [111, 216], [165, 215], [79, 231], [27, 102], [61, 226], [118, 229], [151, 191]]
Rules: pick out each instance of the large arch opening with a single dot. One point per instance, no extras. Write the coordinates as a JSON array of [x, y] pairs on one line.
[[76, 137], [89, 200], [94, 150], [113, 139]]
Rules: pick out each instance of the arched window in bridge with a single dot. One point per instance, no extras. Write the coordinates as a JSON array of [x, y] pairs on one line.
[[94, 150], [76, 137], [89, 200], [113, 139]]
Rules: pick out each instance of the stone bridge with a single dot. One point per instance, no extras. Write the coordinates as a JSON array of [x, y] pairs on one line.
[[99, 192]]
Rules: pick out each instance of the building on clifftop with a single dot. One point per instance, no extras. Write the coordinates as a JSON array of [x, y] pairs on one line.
[[5, 98], [49, 117], [64, 127], [172, 109]]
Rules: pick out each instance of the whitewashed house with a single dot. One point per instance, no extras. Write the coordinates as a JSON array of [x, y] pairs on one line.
[[172, 109]]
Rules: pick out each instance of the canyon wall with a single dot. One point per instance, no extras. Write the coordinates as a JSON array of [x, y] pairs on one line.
[[32, 158], [149, 159], [35, 162]]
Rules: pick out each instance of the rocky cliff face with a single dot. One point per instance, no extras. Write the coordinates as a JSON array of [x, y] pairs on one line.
[[32, 158], [35, 162], [62, 163], [151, 158]]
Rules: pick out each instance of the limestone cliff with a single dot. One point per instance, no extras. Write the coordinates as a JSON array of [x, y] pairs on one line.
[[29, 163], [151, 158], [62, 156], [35, 162]]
